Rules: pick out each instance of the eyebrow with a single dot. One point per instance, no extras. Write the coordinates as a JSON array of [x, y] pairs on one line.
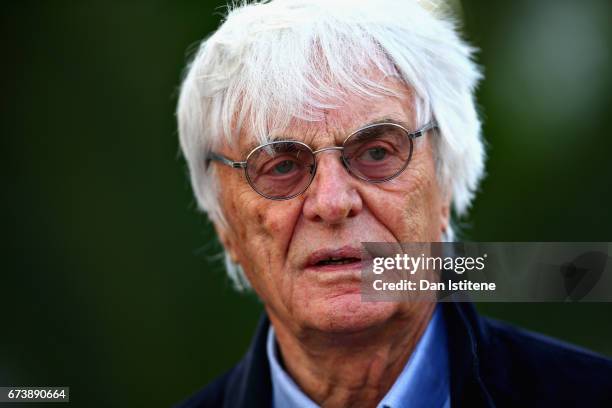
[[280, 138], [386, 120]]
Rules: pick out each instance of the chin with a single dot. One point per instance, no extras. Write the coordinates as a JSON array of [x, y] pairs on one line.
[[346, 313]]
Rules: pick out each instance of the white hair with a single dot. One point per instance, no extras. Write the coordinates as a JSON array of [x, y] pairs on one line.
[[270, 62]]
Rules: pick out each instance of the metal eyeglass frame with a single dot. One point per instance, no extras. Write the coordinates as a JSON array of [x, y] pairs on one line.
[[212, 156]]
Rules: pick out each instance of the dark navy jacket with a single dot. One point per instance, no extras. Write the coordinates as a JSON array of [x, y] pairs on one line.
[[492, 364]]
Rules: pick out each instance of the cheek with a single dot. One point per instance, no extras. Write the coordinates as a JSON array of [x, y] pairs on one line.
[[414, 214], [266, 241], [261, 231], [421, 213], [424, 208], [268, 223]]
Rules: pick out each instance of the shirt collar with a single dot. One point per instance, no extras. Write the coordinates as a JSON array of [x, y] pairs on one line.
[[285, 392], [423, 382]]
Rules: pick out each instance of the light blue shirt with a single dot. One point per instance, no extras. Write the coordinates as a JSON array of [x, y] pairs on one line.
[[424, 381]]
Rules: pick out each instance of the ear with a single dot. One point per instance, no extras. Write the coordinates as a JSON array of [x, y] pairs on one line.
[[226, 237]]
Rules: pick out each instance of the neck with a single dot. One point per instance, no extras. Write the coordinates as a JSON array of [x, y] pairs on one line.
[[352, 369]]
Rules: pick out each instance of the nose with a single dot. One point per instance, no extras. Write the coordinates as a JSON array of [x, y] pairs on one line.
[[332, 197]]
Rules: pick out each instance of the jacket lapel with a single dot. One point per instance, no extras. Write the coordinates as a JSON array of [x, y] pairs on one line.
[[251, 386]]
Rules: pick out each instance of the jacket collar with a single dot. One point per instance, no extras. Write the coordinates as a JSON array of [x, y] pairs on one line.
[[251, 385]]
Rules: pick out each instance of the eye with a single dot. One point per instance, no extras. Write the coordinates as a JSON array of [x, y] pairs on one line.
[[283, 167], [375, 153], [280, 167]]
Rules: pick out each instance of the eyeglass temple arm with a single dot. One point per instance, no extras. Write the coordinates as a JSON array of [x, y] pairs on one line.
[[222, 159], [424, 129]]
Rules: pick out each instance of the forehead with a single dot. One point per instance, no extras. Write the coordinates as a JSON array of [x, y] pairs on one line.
[[337, 122]]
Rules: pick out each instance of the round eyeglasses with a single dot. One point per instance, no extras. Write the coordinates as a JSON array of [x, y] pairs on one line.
[[284, 169]]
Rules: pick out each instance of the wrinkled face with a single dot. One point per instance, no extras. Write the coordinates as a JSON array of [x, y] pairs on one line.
[[282, 245]]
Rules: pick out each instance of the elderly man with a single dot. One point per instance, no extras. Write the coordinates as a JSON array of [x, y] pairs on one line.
[[310, 127]]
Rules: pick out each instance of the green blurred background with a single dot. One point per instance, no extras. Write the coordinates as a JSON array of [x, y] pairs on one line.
[[111, 282]]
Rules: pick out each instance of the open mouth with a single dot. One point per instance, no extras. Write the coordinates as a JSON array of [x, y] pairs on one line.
[[337, 261], [335, 258]]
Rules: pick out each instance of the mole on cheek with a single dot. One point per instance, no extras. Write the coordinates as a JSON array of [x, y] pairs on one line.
[[270, 224], [260, 214], [232, 206]]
